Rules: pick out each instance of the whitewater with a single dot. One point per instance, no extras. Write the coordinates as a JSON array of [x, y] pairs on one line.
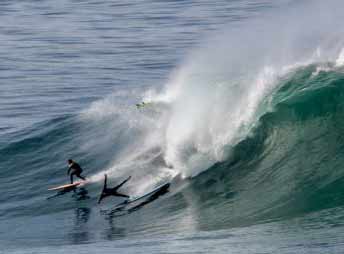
[[244, 117]]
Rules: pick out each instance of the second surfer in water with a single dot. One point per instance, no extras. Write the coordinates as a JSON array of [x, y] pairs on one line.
[[74, 169], [112, 191]]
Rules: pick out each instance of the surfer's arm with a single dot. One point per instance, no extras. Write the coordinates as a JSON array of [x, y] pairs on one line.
[[69, 170], [105, 181]]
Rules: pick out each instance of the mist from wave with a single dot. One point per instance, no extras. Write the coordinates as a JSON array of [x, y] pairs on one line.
[[214, 99]]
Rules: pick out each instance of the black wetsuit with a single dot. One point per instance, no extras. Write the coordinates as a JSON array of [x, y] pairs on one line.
[[112, 191], [75, 170]]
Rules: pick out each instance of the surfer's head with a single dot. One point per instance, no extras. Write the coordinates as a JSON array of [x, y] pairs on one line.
[[70, 161]]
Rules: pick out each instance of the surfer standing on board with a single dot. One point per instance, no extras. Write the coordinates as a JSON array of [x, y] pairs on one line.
[[112, 191], [74, 169]]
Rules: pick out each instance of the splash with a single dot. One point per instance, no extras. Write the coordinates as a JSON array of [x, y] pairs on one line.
[[214, 99]]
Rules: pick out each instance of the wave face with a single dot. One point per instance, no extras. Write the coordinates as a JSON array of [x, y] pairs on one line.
[[291, 164]]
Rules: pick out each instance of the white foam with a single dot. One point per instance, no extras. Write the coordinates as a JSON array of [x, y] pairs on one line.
[[340, 59]]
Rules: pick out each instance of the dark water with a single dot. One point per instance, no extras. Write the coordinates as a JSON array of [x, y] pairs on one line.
[[244, 118]]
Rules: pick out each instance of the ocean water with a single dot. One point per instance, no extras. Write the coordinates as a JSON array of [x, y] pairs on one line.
[[244, 117]]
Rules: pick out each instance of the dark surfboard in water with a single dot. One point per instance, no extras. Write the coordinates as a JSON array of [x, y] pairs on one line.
[[135, 203]]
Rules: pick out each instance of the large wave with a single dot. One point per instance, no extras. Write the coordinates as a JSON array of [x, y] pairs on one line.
[[214, 99], [290, 165]]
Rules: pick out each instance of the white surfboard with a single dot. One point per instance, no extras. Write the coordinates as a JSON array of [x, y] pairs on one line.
[[67, 186]]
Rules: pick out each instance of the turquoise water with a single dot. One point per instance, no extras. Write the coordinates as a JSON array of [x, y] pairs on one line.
[[245, 119]]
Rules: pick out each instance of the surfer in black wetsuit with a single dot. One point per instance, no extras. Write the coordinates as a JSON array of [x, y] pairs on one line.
[[112, 191], [74, 169]]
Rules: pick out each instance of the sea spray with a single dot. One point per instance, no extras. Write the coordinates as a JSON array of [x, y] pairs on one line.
[[215, 97], [223, 86]]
